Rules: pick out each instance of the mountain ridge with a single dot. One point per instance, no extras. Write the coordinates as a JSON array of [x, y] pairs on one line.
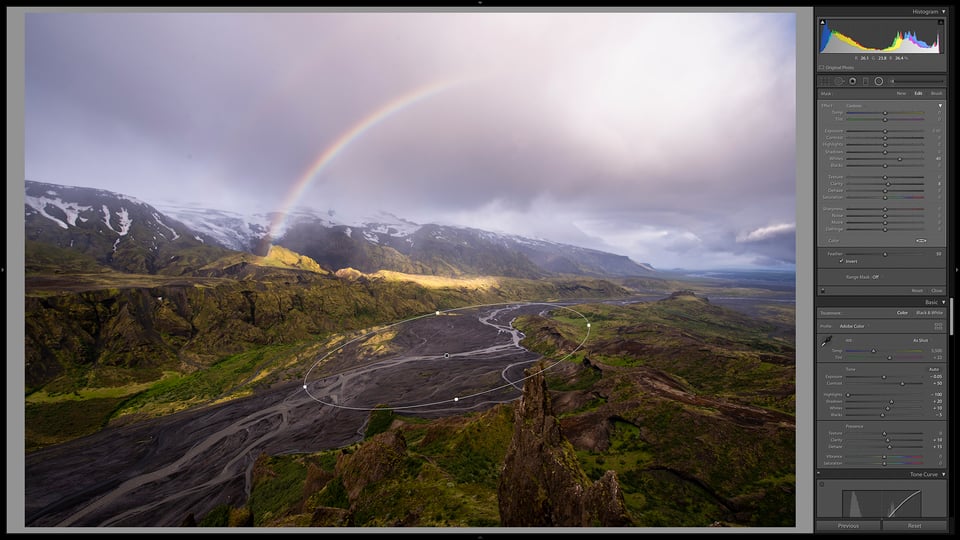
[[119, 232], [98, 222]]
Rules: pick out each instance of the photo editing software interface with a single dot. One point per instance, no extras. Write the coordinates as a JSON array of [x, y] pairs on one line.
[[873, 418], [883, 294]]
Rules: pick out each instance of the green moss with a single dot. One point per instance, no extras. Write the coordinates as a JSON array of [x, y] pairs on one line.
[[218, 517], [327, 460], [277, 488], [473, 453], [715, 351], [591, 405], [380, 419], [59, 421], [584, 380], [229, 374], [333, 494]]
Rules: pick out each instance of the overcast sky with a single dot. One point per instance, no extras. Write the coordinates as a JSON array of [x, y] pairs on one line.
[[665, 137]]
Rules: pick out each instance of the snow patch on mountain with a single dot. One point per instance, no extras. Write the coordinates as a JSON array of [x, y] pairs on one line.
[[125, 221], [156, 217], [379, 223], [390, 225], [106, 217], [371, 237], [244, 232], [228, 229], [532, 241], [70, 210], [134, 200]]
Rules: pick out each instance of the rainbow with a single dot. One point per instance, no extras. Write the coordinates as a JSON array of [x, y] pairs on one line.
[[332, 151]]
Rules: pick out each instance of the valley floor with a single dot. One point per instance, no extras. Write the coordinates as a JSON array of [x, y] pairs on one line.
[[156, 472], [657, 368]]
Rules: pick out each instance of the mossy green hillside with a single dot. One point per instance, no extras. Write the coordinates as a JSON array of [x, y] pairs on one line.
[[685, 453], [445, 475], [717, 351], [166, 343]]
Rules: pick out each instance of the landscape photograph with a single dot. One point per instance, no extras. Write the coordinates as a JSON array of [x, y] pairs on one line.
[[408, 269]]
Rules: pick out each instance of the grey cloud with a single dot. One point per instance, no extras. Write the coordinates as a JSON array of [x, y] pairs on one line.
[[559, 118]]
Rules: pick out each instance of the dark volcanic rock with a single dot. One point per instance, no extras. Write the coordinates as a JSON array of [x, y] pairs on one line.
[[603, 503], [326, 516], [542, 483]]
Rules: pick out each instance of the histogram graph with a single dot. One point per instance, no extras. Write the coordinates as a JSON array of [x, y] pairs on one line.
[[863, 503], [922, 36]]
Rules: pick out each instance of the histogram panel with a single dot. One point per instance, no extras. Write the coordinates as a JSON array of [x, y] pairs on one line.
[[921, 36]]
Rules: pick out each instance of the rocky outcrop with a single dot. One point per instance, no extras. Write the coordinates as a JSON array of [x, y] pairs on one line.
[[685, 293], [293, 259], [326, 516], [603, 503], [373, 461], [542, 484]]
